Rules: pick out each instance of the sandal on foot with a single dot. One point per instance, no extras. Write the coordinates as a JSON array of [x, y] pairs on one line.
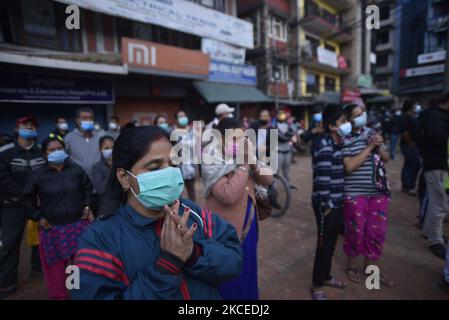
[[318, 294], [335, 283], [386, 281], [353, 275]]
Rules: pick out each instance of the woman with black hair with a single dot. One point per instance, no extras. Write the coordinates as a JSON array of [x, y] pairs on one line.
[[366, 195], [61, 196], [161, 121], [102, 169], [155, 245]]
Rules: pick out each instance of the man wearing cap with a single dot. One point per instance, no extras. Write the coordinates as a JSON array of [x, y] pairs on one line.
[[17, 160], [222, 111]]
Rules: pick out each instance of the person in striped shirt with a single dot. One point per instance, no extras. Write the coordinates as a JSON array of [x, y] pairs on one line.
[[366, 199], [327, 197]]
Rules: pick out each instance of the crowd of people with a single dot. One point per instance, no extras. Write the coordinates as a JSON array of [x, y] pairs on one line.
[[111, 201]]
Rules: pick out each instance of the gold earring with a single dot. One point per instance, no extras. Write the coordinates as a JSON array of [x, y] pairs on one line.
[[125, 189]]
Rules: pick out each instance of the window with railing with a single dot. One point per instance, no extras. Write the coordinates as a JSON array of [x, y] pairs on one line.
[[313, 44], [38, 23], [384, 12], [280, 72], [312, 83], [382, 60], [330, 84], [311, 8], [278, 28], [383, 37], [219, 5]]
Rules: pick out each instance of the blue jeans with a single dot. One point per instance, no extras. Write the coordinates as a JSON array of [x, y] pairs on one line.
[[412, 165], [394, 138]]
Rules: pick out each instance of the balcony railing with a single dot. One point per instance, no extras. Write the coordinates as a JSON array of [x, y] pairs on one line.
[[310, 59], [312, 9]]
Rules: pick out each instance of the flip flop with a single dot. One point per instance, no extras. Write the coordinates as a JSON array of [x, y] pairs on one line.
[[335, 283], [355, 277], [318, 294], [385, 281]]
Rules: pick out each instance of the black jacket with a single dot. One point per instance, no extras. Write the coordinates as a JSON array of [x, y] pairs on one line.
[[16, 164], [435, 139], [62, 195], [100, 175]]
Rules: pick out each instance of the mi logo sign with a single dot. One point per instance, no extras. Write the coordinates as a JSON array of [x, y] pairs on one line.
[[141, 54]]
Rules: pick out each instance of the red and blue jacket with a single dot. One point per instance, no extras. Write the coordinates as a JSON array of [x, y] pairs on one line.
[[119, 257]]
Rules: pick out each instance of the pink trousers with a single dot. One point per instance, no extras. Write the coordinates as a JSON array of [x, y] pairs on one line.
[[55, 276], [365, 225]]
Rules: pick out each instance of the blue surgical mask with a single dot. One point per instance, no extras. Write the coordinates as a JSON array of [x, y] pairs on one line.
[[183, 121], [27, 133], [57, 157], [159, 188], [318, 117], [345, 129], [164, 126], [360, 121], [107, 153], [87, 125]]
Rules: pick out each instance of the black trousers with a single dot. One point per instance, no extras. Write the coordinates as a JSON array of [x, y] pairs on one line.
[[13, 225], [327, 238]]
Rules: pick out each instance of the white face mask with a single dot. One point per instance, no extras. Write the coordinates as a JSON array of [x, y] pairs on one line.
[[113, 126], [360, 121], [63, 126], [345, 129]]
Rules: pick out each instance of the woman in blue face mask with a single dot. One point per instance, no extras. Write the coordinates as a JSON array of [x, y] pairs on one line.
[[188, 170], [367, 195], [149, 243], [63, 211], [161, 121], [102, 169]]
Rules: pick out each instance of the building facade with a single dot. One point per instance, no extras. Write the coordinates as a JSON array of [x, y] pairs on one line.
[[132, 59], [422, 42], [384, 45], [299, 49]]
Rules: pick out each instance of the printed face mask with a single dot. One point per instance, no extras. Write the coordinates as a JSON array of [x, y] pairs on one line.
[[158, 188]]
